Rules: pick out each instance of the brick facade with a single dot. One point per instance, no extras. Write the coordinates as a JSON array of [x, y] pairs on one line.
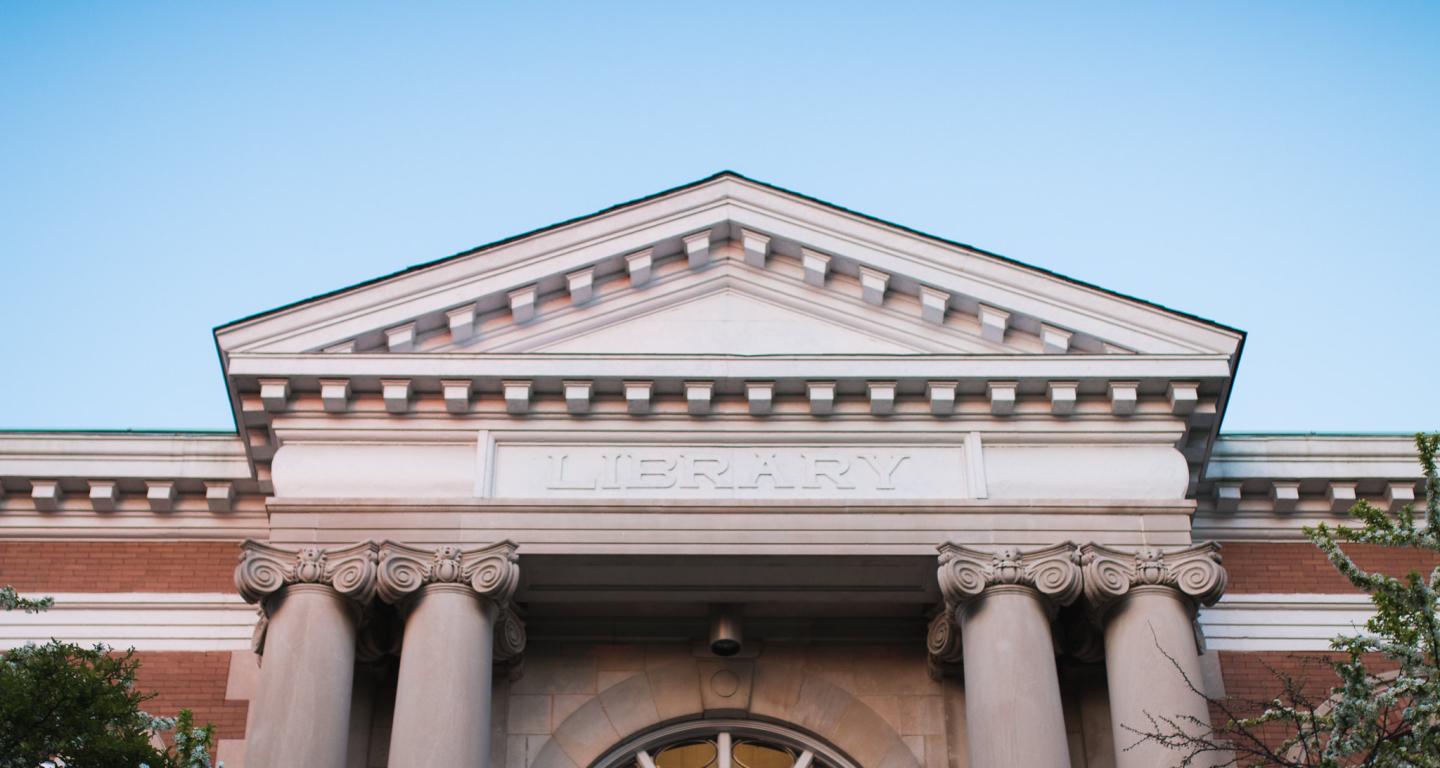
[[194, 681], [1301, 568], [119, 566]]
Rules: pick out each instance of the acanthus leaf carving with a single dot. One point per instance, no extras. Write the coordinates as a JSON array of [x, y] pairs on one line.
[[1110, 574]]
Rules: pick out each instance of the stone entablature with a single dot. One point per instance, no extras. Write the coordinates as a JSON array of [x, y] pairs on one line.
[[97, 487]]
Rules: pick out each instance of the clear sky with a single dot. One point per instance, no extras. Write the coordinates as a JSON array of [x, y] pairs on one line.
[[169, 167]]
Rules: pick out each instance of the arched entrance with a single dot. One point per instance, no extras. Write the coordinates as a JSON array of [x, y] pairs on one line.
[[772, 702], [724, 743]]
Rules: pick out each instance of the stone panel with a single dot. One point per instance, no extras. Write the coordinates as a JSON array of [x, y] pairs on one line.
[[554, 671], [553, 756], [819, 706], [587, 734], [529, 714], [725, 685], [864, 735], [630, 705], [921, 715], [778, 675], [676, 689]]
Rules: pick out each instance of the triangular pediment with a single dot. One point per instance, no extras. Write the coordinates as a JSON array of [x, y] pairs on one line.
[[726, 323], [726, 266], [729, 308]]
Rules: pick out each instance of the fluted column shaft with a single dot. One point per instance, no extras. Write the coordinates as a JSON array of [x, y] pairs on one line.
[[301, 711], [1004, 604], [442, 698], [1152, 663]]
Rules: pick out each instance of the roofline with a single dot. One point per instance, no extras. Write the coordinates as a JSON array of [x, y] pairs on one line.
[[706, 180], [122, 432], [1336, 435]]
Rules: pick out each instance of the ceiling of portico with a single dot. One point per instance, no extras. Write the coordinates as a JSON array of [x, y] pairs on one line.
[[726, 265]]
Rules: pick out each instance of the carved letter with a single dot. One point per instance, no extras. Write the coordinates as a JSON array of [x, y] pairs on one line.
[[610, 471], [884, 471], [767, 466], [558, 480], [694, 467], [814, 471], [661, 476]]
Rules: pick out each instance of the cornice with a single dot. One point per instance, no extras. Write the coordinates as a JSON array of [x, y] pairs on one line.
[[732, 506], [728, 208], [1300, 457], [1269, 486], [123, 455], [495, 367]]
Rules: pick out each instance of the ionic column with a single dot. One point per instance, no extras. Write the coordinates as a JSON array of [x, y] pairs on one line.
[[442, 699], [311, 598], [1147, 602], [1004, 603]]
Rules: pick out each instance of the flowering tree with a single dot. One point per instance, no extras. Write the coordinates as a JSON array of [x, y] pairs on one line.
[[1384, 710]]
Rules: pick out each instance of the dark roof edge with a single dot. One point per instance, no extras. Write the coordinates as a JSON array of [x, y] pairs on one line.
[[479, 248], [1225, 435], [124, 432], [767, 185]]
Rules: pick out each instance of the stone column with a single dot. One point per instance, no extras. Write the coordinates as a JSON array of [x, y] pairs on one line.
[[311, 599], [1147, 602], [442, 699], [1004, 602]]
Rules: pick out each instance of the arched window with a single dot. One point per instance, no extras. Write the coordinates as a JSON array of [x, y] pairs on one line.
[[723, 744]]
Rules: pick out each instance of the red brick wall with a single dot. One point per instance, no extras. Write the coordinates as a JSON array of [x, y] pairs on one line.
[[1301, 567], [119, 566], [1251, 677], [194, 681]]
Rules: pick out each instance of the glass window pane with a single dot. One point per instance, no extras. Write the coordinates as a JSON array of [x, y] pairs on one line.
[[749, 754], [690, 754]]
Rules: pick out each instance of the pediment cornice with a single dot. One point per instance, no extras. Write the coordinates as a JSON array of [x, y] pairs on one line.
[[728, 220]]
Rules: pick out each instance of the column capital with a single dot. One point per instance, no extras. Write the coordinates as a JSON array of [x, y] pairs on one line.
[[491, 571], [1194, 572], [509, 634], [265, 569], [943, 645], [1053, 572]]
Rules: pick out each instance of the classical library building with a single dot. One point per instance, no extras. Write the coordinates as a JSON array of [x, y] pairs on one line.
[[724, 477]]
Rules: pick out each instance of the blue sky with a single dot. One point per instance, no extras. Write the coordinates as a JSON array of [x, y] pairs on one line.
[[168, 167]]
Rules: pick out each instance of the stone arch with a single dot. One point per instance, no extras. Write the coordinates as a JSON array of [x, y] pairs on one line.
[[777, 690]]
